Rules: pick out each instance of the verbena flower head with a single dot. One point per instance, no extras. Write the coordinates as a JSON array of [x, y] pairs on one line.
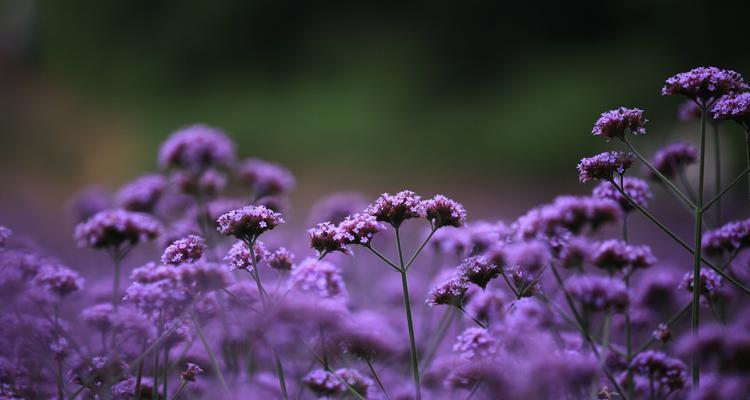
[[142, 194], [89, 201], [478, 270], [185, 250], [356, 380], [324, 384], [190, 372], [615, 255], [662, 333], [59, 280], [397, 208], [475, 343], [734, 107], [115, 228], [99, 316], [239, 256], [195, 148], [358, 229], [4, 235], [442, 211], [449, 292], [366, 336], [204, 276], [489, 305], [247, 223], [728, 239], [710, 285], [614, 123], [266, 178], [599, 293], [636, 188], [207, 183], [704, 83], [604, 166], [320, 278], [281, 259], [673, 158], [668, 374], [323, 239], [569, 213]]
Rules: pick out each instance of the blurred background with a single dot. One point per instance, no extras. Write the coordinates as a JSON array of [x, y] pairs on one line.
[[489, 102]]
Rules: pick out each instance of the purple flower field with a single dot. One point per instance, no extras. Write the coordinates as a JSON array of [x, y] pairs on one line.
[[203, 290]]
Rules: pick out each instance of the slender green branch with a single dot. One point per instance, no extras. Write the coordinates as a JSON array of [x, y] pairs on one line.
[[409, 321], [717, 169], [419, 250], [211, 355], [663, 178], [473, 318], [726, 189], [695, 312], [382, 257], [377, 378], [349, 387]]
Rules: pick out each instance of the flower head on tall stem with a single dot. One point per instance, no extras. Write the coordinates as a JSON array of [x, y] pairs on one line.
[[247, 223], [239, 256], [281, 259], [478, 270], [734, 107], [185, 250], [265, 178], [476, 343], [59, 280], [599, 293], [667, 374], [141, 194], [319, 277], [115, 229], [703, 84], [449, 292], [727, 239], [323, 239], [442, 211], [195, 148], [357, 229], [637, 189], [397, 208], [616, 123], [616, 255], [710, 285], [673, 158], [604, 166]]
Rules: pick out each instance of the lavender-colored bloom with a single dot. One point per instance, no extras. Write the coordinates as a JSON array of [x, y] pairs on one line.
[[614, 123], [4, 234], [357, 381], [366, 335], [239, 256], [475, 343], [203, 276], [185, 250], [336, 207], [487, 305], [637, 189], [99, 316], [662, 333], [116, 228], [323, 239], [710, 284], [531, 256], [604, 166], [569, 213], [449, 292], [598, 293], [668, 374], [247, 223], [526, 282], [141, 194], [575, 253], [357, 229], [89, 201], [728, 239], [324, 383], [59, 280], [125, 389], [281, 259], [195, 148], [673, 158], [704, 83], [207, 183], [190, 372], [735, 107], [442, 211], [397, 208], [266, 178], [616, 255], [478, 270], [319, 277], [688, 111]]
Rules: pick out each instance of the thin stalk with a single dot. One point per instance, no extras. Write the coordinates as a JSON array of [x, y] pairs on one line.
[[409, 321], [176, 395], [726, 189], [717, 168], [377, 378], [155, 386], [166, 371], [139, 376], [695, 312], [349, 387], [661, 176], [476, 321], [445, 323], [280, 373], [421, 247], [747, 145], [382, 257], [507, 282], [474, 390], [116, 258], [214, 363]]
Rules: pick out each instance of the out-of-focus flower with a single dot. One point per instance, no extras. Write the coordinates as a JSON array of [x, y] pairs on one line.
[[88, 202], [116, 228], [397, 208], [604, 166], [323, 383], [59, 280], [265, 178], [319, 277], [99, 316], [356, 380], [190, 372], [727, 239], [449, 292], [195, 148], [688, 111], [475, 342], [203, 276], [598, 293], [205, 184], [141, 194], [336, 207], [185, 250], [323, 239], [615, 255], [357, 229], [673, 158], [442, 211], [614, 123], [735, 107], [247, 223], [239, 256], [710, 284], [487, 305], [662, 333], [569, 213], [4, 235], [478, 270], [668, 374], [366, 336], [637, 189], [704, 83], [281, 259]]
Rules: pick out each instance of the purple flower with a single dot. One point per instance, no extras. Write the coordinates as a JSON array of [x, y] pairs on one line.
[[614, 123], [195, 148], [604, 166], [324, 384], [478, 270], [366, 335], [729, 238], [247, 223], [207, 183], [569, 213], [598, 293], [142, 194], [616, 255], [323, 239], [442, 211], [397, 208], [239, 256], [190, 372], [704, 83], [487, 305], [99, 316], [88, 202], [354, 379], [319, 277], [357, 229], [203, 276], [636, 188], [710, 284], [662, 333], [688, 111], [4, 234], [58, 280], [475, 343], [735, 107], [266, 178], [449, 292], [281, 259], [668, 374], [673, 158], [576, 252], [185, 250], [115, 228]]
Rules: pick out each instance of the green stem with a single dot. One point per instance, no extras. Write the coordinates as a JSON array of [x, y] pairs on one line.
[[211, 356], [116, 283], [280, 373], [476, 321], [442, 329], [726, 189], [747, 145], [409, 321], [695, 313], [176, 395], [421, 247], [166, 371], [717, 167], [382, 257], [377, 378], [661, 176]]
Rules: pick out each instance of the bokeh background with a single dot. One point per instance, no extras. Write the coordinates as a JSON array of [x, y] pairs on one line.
[[490, 102]]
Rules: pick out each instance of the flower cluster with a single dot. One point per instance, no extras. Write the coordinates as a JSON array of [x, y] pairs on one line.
[[116, 228], [397, 208], [319, 277], [615, 255], [195, 148], [266, 178], [599, 293], [710, 284], [727, 239], [615, 123], [185, 250], [704, 83], [637, 189], [673, 158], [141, 194], [247, 223], [735, 107], [604, 166]]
